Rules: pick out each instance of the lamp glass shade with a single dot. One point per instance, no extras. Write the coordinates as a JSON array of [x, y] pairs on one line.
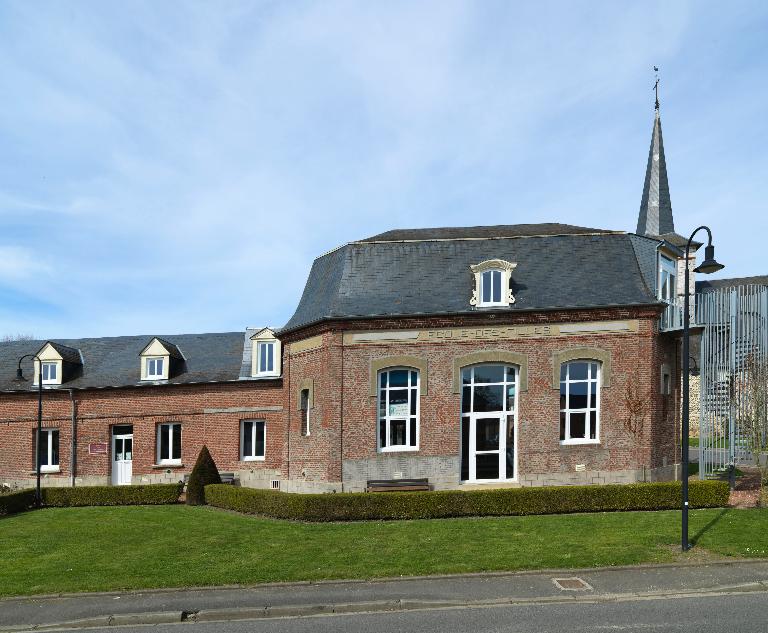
[[710, 264]]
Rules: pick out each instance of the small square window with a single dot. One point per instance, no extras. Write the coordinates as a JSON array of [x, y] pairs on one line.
[[50, 373], [154, 368]]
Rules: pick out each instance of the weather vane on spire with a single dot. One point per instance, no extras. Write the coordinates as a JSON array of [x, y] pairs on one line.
[[656, 86]]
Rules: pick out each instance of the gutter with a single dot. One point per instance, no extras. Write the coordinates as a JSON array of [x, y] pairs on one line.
[[73, 454]]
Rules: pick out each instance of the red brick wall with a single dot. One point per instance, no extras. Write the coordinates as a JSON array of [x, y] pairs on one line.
[[144, 408]]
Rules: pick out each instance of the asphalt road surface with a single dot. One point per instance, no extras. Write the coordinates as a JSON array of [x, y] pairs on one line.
[[704, 614]]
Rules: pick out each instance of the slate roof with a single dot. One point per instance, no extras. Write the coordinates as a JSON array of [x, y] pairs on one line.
[[380, 277], [114, 361], [475, 232], [68, 354], [716, 284], [655, 216]]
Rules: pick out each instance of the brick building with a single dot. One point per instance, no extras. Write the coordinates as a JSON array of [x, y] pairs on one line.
[[505, 355]]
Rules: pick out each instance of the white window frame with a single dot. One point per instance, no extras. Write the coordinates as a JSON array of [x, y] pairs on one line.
[[305, 413], [260, 344], [488, 275], [46, 437], [168, 427], [414, 391], [48, 365], [592, 365], [668, 273], [253, 457], [156, 360]]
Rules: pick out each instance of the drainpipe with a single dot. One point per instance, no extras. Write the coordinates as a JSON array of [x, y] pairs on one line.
[[73, 454]]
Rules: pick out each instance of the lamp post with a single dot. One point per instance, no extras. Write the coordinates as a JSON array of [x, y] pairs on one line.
[[709, 265], [20, 378]]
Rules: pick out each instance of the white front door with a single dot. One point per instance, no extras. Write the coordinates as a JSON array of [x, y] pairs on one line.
[[122, 459]]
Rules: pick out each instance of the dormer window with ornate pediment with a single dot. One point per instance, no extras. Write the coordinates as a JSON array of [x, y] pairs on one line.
[[58, 363], [265, 355], [492, 284], [160, 360]]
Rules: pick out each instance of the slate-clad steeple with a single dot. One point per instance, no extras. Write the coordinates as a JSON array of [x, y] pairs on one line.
[[656, 206]]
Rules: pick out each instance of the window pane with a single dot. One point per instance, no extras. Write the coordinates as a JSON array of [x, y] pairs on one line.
[[42, 449], [159, 367], [164, 452], [464, 448], [177, 441], [511, 374], [487, 466], [496, 276], [593, 425], [304, 404], [466, 375], [128, 449], [578, 426], [563, 371], [398, 378], [270, 357], [118, 450], [54, 448], [414, 378], [466, 399], [398, 402], [383, 379], [397, 433], [413, 402], [577, 371], [413, 432], [485, 283], [382, 404], [593, 371], [511, 398], [510, 457], [382, 433], [487, 434], [247, 439], [578, 395], [489, 373], [562, 425], [489, 398], [260, 438], [593, 394]]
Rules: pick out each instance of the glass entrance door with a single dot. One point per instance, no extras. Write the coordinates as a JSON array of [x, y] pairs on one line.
[[489, 407]]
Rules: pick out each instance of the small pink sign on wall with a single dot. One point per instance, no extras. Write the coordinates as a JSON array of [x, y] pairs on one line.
[[98, 448]]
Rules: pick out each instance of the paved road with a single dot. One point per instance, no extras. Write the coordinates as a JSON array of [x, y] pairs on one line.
[[710, 614]]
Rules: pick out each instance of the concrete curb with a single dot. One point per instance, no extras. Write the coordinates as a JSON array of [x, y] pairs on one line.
[[352, 581], [310, 610]]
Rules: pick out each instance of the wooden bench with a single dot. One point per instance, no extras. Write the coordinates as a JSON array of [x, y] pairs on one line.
[[226, 478], [396, 485]]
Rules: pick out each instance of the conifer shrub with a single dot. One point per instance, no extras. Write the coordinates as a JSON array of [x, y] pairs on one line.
[[457, 503], [203, 474]]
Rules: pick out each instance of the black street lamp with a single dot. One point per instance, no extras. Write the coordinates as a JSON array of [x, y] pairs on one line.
[[20, 378], [709, 265]]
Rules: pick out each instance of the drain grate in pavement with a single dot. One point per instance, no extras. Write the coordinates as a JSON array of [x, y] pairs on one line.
[[571, 584]]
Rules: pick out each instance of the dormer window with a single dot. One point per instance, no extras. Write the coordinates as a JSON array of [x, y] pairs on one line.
[[492, 284], [667, 280], [155, 368], [161, 360], [265, 354], [50, 373], [58, 364]]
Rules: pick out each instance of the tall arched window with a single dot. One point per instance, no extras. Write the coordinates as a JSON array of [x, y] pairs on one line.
[[488, 416], [580, 402], [398, 417]]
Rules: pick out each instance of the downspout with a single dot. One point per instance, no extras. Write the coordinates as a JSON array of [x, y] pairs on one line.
[[73, 454]]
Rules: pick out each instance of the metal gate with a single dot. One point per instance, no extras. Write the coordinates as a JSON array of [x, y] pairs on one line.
[[734, 341]]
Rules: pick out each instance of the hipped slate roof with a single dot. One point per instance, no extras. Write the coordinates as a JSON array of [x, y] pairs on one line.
[[733, 282], [379, 277], [115, 362], [477, 232]]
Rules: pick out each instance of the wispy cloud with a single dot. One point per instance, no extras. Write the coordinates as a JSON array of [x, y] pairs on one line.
[[181, 165]]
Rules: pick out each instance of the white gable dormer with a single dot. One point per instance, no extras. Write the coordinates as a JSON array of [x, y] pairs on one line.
[[266, 354], [156, 359], [52, 365]]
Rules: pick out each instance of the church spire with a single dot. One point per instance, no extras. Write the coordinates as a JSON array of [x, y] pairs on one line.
[[656, 206]]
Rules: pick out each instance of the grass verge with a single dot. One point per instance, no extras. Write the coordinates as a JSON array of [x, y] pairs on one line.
[[117, 548]]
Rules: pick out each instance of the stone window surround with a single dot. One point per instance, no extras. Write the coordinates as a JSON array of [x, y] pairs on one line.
[[387, 362], [505, 268], [582, 353], [491, 356]]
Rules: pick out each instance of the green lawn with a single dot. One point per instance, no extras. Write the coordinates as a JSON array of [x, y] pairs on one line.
[[90, 549]]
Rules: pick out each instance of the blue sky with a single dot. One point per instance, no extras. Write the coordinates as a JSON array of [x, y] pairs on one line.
[[170, 167]]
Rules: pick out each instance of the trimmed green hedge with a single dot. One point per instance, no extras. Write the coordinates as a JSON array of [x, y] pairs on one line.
[[456, 503], [154, 494], [14, 502]]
